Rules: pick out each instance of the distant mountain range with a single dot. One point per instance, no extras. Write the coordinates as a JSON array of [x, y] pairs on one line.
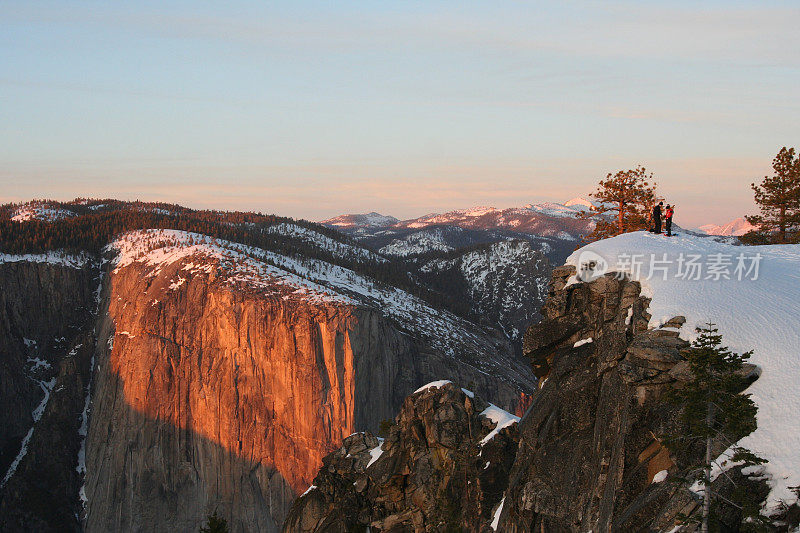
[[734, 228], [551, 227], [548, 219]]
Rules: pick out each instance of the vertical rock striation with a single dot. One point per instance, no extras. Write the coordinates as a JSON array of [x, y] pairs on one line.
[[220, 391], [46, 314]]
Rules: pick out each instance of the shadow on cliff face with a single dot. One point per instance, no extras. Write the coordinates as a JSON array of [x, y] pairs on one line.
[[46, 317], [146, 474]]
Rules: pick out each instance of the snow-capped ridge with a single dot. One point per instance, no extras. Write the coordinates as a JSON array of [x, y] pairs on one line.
[[579, 202], [547, 219], [735, 228], [363, 220]]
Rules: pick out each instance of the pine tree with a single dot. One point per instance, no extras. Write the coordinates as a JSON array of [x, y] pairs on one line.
[[627, 197], [714, 407], [778, 197], [215, 524]]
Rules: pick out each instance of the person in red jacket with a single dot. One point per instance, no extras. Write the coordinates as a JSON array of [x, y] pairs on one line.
[[668, 219]]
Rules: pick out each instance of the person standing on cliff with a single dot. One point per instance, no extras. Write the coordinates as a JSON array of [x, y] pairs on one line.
[[668, 219], [657, 218]]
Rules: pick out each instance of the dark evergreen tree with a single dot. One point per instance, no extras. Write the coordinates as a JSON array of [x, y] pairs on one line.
[[215, 524], [627, 198], [714, 407], [778, 197]]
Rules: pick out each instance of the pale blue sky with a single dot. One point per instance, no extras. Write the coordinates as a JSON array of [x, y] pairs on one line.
[[312, 109]]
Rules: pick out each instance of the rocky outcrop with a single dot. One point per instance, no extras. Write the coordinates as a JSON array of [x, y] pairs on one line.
[[604, 374], [217, 393], [589, 454], [441, 468], [46, 316]]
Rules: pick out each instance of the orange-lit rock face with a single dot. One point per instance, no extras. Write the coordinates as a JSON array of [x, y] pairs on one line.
[[265, 375], [525, 401], [228, 380]]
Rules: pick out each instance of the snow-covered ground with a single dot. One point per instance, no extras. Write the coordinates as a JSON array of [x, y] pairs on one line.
[[40, 211], [54, 258], [752, 294], [417, 243], [339, 249]]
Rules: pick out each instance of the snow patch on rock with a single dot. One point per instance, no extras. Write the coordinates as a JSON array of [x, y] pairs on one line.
[[375, 453], [432, 385], [660, 476], [500, 417], [36, 414], [496, 515]]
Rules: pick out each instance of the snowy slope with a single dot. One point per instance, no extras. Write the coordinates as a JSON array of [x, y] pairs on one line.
[[507, 282], [426, 240], [238, 264], [53, 258], [761, 314], [323, 242], [40, 211]]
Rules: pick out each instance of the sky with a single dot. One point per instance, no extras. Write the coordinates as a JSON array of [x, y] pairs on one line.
[[314, 109]]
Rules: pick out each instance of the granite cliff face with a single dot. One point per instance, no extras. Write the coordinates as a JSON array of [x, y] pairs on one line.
[[603, 375], [588, 454], [221, 385], [46, 309], [196, 375]]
